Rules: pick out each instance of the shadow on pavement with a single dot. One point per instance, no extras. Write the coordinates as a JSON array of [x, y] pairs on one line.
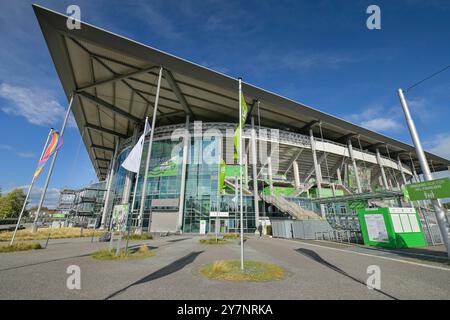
[[176, 240], [133, 248], [316, 257], [164, 271]]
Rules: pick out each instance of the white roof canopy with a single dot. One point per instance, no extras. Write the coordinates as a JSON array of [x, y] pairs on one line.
[[115, 81]]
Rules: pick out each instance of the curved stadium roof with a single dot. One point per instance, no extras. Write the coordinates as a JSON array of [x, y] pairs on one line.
[[115, 80]]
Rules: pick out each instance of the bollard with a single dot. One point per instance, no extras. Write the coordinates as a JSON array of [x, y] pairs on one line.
[[46, 243]]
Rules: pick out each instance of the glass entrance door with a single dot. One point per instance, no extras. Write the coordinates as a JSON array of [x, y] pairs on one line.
[[222, 225]]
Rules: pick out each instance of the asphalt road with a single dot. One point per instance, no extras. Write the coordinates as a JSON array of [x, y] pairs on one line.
[[317, 270]]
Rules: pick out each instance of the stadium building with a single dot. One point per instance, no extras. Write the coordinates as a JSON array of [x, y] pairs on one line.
[[309, 164]]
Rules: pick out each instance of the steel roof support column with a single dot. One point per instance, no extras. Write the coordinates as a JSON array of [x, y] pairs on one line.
[[355, 167], [316, 170], [383, 174], [245, 168], [438, 209], [400, 167], [296, 175], [186, 143], [254, 160], [339, 175], [269, 172], [108, 187], [149, 152]]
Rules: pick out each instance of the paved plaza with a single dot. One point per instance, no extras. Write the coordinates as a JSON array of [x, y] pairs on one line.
[[317, 270]]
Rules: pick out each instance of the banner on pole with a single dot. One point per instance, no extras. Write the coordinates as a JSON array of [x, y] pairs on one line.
[[120, 214], [237, 134], [223, 169], [133, 160], [54, 145]]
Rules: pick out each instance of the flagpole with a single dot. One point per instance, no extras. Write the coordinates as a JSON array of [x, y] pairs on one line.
[[49, 175], [134, 193], [29, 189], [240, 174], [137, 174], [150, 144]]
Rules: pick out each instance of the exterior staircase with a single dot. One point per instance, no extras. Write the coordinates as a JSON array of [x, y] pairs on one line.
[[245, 190], [304, 188], [291, 208]]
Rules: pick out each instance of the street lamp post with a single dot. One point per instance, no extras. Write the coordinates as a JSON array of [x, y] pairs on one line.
[[439, 211]]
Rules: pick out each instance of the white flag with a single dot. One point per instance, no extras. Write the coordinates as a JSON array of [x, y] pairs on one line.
[[133, 161]]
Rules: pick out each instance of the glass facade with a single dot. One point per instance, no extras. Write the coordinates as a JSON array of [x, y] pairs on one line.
[[202, 185], [164, 175], [204, 207]]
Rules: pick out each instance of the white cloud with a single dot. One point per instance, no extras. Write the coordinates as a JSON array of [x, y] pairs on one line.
[[36, 106], [5, 147], [154, 17], [440, 145], [51, 196], [26, 154], [374, 118], [303, 60], [381, 124]]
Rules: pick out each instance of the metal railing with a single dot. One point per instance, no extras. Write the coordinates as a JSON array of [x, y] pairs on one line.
[[340, 236]]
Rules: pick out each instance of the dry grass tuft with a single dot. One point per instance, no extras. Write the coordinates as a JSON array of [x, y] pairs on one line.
[[55, 233], [213, 241], [110, 254], [22, 246], [253, 271], [143, 236], [231, 236]]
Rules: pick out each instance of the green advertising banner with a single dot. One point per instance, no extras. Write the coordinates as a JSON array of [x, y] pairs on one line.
[[238, 130], [434, 189], [165, 169], [232, 171]]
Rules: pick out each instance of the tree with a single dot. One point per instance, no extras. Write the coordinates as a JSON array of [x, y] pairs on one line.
[[11, 204]]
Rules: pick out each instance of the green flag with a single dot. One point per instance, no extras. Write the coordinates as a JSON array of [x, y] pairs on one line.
[[238, 130], [223, 168]]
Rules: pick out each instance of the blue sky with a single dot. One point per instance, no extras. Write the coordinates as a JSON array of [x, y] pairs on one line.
[[317, 52]]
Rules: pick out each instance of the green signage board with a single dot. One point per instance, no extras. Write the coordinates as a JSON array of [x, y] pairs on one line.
[[434, 189], [58, 215], [391, 227]]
